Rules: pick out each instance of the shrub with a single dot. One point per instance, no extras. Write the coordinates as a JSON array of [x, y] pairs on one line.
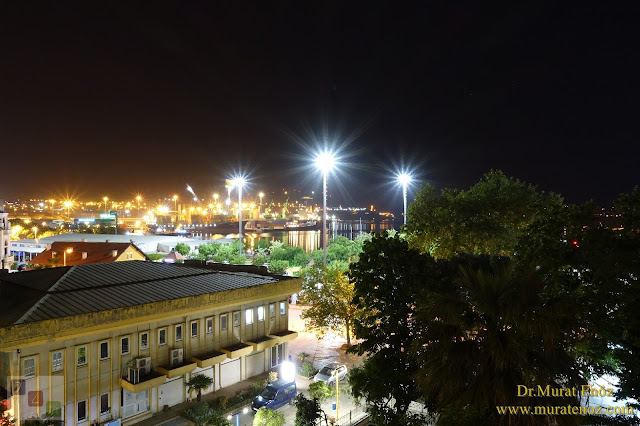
[[260, 260], [273, 376], [200, 413], [222, 402], [302, 356], [256, 387], [266, 417], [278, 266], [307, 369]]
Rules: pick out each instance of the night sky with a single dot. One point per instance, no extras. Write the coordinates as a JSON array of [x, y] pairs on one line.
[[121, 97]]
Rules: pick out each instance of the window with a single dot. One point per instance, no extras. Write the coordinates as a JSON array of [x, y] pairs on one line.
[[162, 336], [272, 310], [82, 411], [248, 316], [104, 350], [104, 403], [209, 325], [260, 313], [124, 345], [178, 333], [144, 341], [236, 319], [56, 362], [29, 367], [81, 355], [194, 328], [282, 309], [223, 322]]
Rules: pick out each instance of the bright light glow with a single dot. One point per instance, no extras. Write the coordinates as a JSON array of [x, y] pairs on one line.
[[404, 179], [68, 203], [288, 371], [245, 410], [261, 194], [325, 161], [238, 181]]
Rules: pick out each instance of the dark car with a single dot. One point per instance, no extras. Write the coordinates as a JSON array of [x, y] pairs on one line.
[[275, 395]]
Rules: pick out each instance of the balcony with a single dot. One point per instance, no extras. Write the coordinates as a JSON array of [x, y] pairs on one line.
[[146, 382], [178, 370], [237, 350], [262, 342], [209, 359], [283, 336]]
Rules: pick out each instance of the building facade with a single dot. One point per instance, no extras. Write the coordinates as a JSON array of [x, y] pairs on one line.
[[120, 340]]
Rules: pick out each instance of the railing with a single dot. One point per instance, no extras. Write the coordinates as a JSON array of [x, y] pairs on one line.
[[353, 417]]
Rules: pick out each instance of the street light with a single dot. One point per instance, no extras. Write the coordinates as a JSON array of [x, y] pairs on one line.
[[260, 209], [35, 232], [239, 183], [64, 256], [404, 180], [175, 206], [105, 199], [138, 198], [68, 205], [325, 161]]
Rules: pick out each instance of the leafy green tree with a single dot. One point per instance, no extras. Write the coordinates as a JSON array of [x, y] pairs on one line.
[[388, 279], [488, 218], [628, 205], [198, 383], [266, 417], [328, 294], [321, 391], [307, 411], [183, 248]]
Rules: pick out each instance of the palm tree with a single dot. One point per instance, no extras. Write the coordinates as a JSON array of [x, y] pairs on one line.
[[198, 383], [484, 333]]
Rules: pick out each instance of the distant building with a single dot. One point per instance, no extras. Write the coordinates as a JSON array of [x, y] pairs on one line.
[[82, 253], [6, 258], [119, 340]]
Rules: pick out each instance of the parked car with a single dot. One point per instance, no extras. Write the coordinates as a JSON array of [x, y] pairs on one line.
[[275, 395], [330, 372]]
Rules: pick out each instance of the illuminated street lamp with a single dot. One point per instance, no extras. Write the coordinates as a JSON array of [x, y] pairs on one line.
[[64, 256], [239, 182], [105, 199], [138, 198], [68, 205], [175, 205], [35, 233], [260, 209], [325, 161], [404, 180]]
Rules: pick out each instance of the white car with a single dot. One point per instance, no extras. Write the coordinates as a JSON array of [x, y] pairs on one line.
[[330, 372]]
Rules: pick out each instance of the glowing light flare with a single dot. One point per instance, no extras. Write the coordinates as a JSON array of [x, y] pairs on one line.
[[238, 181], [404, 179], [325, 161], [288, 371]]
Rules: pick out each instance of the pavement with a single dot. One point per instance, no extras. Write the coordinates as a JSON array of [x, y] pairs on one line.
[[329, 349]]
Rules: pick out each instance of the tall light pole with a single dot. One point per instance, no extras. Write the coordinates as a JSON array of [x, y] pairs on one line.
[[35, 233], [239, 183], [404, 180], [325, 162], [260, 208], [64, 254], [138, 198]]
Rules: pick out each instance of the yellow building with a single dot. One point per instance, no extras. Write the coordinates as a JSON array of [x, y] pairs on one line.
[[119, 340]]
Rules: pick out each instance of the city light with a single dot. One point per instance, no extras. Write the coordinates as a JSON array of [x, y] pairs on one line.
[[404, 179], [325, 161], [239, 182]]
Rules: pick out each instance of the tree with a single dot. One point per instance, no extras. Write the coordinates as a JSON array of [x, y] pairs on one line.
[[307, 411], [266, 417], [486, 330], [628, 205], [321, 391], [488, 218], [388, 278], [328, 293], [198, 383], [183, 249]]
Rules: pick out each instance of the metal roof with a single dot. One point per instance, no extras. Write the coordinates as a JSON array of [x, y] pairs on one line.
[[99, 287]]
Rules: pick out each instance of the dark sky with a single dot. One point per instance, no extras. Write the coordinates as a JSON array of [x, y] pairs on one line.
[[122, 97]]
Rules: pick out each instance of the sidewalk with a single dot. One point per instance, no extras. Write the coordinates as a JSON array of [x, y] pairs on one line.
[[172, 416]]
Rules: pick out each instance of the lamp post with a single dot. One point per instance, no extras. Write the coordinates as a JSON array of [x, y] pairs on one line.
[[260, 208], [64, 256], [325, 162], [404, 179], [138, 198], [239, 183], [105, 199], [35, 233]]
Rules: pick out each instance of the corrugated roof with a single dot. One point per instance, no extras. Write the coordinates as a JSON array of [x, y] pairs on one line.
[[104, 286]]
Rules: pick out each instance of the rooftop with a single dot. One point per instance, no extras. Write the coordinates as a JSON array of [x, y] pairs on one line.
[[85, 289]]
